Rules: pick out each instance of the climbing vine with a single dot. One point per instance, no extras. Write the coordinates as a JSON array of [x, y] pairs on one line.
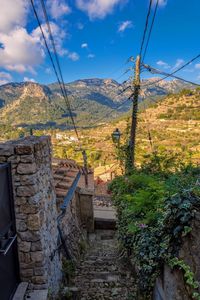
[[190, 281], [155, 210]]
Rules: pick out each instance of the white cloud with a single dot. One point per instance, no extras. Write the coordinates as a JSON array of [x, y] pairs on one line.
[[48, 71], [125, 25], [161, 2], [57, 33], [163, 64], [58, 8], [178, 63], [73, 56], [26, 79], [5, 75], [5, 78], [80, 26], [84, 45], [20, 52], [12, 13], [91, 55], [98, 9], [197, 66]]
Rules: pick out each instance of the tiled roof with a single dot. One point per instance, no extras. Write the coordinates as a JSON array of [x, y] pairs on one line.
[[70, 164], [64, 173]]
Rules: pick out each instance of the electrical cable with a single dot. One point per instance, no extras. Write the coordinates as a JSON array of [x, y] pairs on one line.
[[52, 62], [146, 27], [58, 65], [177, 70], [157, 71], [150, 31]]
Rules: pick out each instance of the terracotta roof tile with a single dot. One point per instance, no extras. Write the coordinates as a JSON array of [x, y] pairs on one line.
[[65, 172]]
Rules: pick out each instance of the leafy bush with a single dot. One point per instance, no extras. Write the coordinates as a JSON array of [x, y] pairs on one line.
[[155, 207]]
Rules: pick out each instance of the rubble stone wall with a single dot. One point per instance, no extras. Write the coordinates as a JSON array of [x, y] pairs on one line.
[[171, 285], [35, 209]]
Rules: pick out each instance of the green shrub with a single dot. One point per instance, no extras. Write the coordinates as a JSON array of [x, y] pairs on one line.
[[155, 207]]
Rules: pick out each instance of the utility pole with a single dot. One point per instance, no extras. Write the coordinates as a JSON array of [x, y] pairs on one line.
[[136, 83], [85, 167]]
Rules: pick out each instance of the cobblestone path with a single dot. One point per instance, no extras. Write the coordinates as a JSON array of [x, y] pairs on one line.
[[100, 275]]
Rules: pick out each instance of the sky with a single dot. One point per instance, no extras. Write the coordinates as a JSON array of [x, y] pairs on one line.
[[95, 38]]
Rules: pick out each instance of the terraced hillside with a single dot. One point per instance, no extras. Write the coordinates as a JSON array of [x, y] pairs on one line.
[[173, 123]]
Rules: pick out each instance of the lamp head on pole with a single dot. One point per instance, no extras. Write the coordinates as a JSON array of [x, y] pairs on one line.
[[116, 135]]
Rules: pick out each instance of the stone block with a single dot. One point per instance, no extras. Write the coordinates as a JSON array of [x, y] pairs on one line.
[[27, 190], [26, 168], [6, 149], [26, 273], [21, 225], [33, 222], [37, 256], [24, 257], [20, 200], [39, 271], [28, 179], [39, 279], [24, 246], [36, 246], [28, 209], [27, 158], [24, 149], [29, 236]]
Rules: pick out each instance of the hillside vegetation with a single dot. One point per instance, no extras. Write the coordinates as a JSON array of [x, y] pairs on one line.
[[173, 124], [22, 104]]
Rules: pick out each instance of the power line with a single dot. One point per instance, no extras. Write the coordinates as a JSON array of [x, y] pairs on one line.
[[146, 27], [63, 91], [150, 31], [177, 70], [58, 64], [153, 71]]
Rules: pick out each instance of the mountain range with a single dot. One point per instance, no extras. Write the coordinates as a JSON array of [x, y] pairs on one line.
[[91, 100]]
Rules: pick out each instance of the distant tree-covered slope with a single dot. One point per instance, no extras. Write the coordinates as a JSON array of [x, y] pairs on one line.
[[91, 100]]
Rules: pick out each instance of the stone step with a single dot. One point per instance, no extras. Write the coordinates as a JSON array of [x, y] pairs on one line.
[[21, 291], [37, 295], [100, 276]]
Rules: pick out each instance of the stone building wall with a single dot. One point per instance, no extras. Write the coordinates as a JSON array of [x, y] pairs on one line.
[[72, 229], [35, 209], [171, 285]]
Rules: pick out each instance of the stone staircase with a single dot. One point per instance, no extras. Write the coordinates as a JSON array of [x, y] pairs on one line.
[[100, 274]]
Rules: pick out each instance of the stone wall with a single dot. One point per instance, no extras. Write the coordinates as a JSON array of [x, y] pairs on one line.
[[171, 285], [35, 209], [71, 226]]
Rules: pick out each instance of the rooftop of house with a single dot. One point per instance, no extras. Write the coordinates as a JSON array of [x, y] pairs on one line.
[[65, 172]]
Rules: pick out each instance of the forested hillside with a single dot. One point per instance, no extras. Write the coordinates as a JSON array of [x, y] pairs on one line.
[[91, 100]]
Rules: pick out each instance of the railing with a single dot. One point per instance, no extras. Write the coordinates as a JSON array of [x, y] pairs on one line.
[[63, 207]]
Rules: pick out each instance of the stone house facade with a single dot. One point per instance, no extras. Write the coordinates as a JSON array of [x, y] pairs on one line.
[[38, 190]]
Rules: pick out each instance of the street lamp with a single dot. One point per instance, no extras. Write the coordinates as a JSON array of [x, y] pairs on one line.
[[116, 136]]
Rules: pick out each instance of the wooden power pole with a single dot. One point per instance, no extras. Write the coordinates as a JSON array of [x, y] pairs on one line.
[[136, 83]]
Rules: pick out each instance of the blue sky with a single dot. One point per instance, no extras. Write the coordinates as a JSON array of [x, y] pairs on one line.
[[95, 38]]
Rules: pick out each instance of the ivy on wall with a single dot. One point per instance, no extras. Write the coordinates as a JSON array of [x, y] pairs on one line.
[[155, 208]]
